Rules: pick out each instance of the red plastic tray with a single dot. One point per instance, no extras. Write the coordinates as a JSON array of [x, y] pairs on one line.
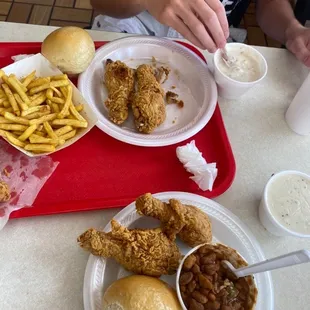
[[100, 172]]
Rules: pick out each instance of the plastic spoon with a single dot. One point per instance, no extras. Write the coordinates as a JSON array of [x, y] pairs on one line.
[[294, 258]]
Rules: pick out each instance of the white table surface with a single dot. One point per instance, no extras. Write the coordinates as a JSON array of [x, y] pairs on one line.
[[41, 266]]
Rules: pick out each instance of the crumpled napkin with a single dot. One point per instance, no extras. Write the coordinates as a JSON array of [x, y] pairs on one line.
[[204, 174], [25, 177]]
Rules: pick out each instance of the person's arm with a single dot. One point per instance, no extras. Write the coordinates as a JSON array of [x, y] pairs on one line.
[[277, 20], [118, 8], [274, 17]]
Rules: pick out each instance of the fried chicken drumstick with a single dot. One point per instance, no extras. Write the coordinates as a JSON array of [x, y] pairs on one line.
[[119, 80], [191, 224], [142, 251], [148, 102]]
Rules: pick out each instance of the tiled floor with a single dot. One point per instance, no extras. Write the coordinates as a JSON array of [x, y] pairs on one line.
[[80, 13]]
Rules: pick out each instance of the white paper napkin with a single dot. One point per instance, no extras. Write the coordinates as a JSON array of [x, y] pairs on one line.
[[204, 174]]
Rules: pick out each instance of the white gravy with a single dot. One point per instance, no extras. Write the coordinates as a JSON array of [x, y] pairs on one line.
[[288, 198], [246, 67]]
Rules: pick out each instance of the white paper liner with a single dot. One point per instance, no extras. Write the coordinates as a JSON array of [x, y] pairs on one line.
[[204, 174], [25, 177]]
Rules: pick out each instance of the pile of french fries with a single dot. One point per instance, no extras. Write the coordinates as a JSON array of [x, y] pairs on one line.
[[37, 114]]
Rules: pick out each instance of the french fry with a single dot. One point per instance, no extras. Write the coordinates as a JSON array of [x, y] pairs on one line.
[[34, 97], [2, 73], [29, 78], [13, 127], [63, 91], [38, 108], [3, 99], [38, 139], [3, 110], [3, 133], [27, 133], [20, 102], [79, 107], [19, 90], [39, 133], [6, 104], [63, 130], [3, 120], [71, 116], [70, 122], [50, 131], [17, 133], [11, 99], [5, 79], [14, 140], [66, 107], [76, 114], [16, 119], [49, 93], [13, 77], [57, 100], [38, 101], [43, 119], [68, 135], [36, 115], [39, 82], [44, 148], [45, 86], [55, 108], [57, 92], [59, 77]]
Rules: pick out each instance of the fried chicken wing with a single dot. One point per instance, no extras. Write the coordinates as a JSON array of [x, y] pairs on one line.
[[148, 102], [142, 251], [119, 80], [191, 224]]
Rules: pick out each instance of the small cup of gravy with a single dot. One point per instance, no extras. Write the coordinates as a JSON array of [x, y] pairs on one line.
[[285, 207], [248, 68]]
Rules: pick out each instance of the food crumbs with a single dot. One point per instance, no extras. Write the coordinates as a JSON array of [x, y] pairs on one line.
[[5, 172], [173, 87]]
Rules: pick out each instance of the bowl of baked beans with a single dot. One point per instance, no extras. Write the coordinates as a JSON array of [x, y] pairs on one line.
[[204, 282]]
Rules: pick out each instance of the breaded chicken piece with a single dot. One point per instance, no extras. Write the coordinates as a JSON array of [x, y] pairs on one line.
[[148, 103], [119, 80], [5, 194], [142, 251], [188, 222]]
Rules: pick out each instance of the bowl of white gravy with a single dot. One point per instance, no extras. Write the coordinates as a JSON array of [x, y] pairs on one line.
[[247, 68], [285, 206]]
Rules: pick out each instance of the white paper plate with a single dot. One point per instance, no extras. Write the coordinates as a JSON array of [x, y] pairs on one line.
[[226, 227], [189, 74]]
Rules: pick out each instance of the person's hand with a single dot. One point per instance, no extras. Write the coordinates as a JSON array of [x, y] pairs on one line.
[[203, 22], [298, 42]]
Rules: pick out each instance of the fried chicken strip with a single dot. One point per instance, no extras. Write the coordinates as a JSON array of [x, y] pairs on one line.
[[119, 80], [148, 102], [191, 224], [142, 251]]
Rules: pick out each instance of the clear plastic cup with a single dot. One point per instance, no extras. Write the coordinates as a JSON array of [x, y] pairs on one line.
[[233, 89]]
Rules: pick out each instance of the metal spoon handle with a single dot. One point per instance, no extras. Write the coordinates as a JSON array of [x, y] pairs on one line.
[[294, 258]]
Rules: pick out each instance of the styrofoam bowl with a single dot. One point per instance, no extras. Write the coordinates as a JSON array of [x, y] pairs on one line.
[[234, 256], [232, 89], [266, 217]]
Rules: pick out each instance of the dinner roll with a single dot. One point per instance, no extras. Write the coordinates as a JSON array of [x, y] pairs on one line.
[[140, 293], [70, 49]]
